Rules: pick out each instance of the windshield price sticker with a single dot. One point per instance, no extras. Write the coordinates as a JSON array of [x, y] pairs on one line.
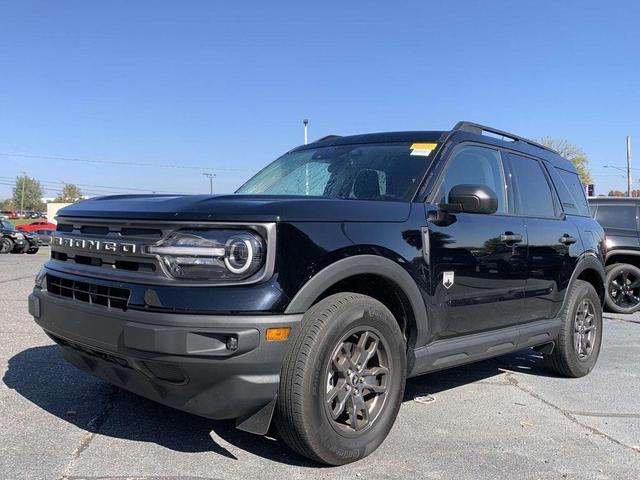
[[422, 149]]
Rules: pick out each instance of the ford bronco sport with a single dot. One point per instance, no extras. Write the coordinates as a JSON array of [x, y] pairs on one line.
[[335, 273]]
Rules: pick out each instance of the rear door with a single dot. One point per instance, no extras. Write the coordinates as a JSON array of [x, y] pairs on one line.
[[553, 239]]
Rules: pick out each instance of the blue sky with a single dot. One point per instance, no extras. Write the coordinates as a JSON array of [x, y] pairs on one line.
[[225, 85]]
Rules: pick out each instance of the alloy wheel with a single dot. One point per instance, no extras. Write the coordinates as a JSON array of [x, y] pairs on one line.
[[624, 289], [358, 377], [585, 330]]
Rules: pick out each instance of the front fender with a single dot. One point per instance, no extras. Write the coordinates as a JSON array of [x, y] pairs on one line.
[[359, 265]]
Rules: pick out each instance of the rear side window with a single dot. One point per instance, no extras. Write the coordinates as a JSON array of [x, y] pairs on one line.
[[531, 193], [617, 216], [571, 192]]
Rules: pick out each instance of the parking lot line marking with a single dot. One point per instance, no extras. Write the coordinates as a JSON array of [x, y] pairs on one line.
[[604, 414]]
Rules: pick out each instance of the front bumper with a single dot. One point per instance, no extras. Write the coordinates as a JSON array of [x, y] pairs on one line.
[[181, 360]]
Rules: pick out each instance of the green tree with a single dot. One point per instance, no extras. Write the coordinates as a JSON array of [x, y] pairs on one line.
[[27, 193], [572, 153], [7, 204], [617, 193], [70, 194]]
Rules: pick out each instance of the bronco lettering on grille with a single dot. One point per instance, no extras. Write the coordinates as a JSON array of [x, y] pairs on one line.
[[94, 245]]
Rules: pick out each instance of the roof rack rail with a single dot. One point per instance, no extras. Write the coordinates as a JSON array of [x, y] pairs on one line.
[[478, 129]]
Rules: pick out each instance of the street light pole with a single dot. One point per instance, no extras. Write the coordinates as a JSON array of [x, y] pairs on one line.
[[211, 177], [306, 165], [305, 122], [628, 166]]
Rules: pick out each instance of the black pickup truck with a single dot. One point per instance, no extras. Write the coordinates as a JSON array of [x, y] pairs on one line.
[[344, 267], [619, 216]]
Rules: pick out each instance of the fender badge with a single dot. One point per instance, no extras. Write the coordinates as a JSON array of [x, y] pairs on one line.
[[447, 279]]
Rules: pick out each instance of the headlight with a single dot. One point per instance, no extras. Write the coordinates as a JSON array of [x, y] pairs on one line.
[[216, 254]]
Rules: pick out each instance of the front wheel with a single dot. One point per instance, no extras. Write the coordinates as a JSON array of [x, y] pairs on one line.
[[577, 347], [623, 288], [6, 245], [343, 380]]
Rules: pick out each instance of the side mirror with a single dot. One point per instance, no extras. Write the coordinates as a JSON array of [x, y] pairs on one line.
[[471, 199]]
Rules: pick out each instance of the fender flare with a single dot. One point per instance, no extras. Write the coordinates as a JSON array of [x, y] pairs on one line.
[[359, 265], [587, 260]]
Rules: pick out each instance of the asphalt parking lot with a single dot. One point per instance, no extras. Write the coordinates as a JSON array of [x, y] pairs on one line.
[[503, 418]]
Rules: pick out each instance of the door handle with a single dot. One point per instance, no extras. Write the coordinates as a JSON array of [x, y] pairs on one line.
[[510, 237], [567, 239]]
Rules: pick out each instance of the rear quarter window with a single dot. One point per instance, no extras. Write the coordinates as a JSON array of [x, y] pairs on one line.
[[571, 191]]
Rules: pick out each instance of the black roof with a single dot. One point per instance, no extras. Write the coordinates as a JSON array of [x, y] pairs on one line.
[[381, 137], [464, 130], [595, 200]]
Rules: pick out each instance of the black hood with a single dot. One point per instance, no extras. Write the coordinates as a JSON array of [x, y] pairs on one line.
[[234, 208]]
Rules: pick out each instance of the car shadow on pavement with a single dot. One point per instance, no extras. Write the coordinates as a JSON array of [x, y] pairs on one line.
[[41, 375]]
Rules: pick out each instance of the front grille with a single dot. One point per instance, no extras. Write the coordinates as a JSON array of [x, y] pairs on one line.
[[105, 230], [99, 232], [110, 297], [107, 261]]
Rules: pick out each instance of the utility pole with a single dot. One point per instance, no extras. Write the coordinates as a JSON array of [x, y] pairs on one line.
[[305, 122], [24, 180], [211, 177], [628, 166]]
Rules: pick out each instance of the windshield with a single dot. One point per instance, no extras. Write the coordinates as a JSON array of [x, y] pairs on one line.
[[7, 225], [365, 172]]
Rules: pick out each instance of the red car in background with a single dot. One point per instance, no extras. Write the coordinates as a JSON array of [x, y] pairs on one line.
[[29, 227], [9, 214]]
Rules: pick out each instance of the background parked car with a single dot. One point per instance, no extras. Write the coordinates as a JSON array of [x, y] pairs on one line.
[[43, 235], [33, 226], [9, 214], [13, 241], [619, 218]]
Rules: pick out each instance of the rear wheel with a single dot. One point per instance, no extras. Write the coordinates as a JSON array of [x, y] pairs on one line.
[[577, 347], [6, 245], [343, 380], [623, 288]]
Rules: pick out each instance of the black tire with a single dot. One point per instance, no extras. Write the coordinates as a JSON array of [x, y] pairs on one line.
[[565, 359], [622, 283], [6, 245], [303, 416], [32, 250]]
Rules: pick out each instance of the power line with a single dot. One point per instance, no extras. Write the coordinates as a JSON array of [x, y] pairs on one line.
[[89, 191], [59, 190], [114, 162], [93, 186]]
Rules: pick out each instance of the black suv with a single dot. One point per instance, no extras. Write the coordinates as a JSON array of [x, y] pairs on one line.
[[339, 270], [619, 218]]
